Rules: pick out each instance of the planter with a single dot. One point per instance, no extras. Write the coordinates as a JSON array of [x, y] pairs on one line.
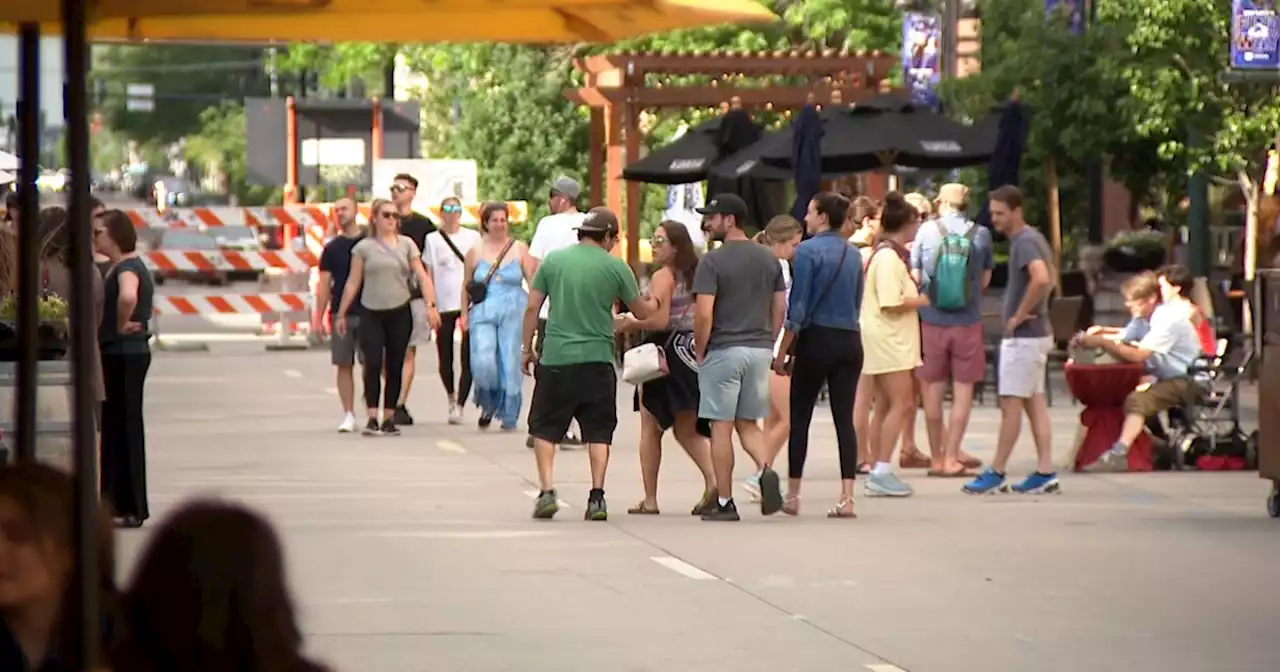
[[54, 340], [1128, 259]]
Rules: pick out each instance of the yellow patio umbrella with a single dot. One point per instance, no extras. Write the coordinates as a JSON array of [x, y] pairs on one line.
[[390, 20]]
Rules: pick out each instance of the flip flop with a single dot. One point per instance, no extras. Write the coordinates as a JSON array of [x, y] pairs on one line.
[[959, 473], [971, 462], [865, 468], [642, 510], [914, 461]]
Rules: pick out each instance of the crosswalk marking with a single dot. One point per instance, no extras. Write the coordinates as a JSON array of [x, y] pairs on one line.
[[683, 568], [451, 447], [884, 667]]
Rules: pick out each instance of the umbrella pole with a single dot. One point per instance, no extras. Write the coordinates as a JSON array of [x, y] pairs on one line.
[[28, 289], [1055, 220], [83, 329]]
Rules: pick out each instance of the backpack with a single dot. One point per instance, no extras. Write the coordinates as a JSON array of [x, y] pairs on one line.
[[949, 286]]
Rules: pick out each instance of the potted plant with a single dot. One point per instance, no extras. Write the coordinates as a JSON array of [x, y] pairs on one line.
[[52, 332], [1135, 251]]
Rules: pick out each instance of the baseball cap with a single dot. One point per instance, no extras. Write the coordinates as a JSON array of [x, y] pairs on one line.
[[599, 219], [725, 204], [953, 193], [567, 187]]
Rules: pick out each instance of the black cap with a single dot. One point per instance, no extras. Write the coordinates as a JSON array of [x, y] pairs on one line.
[[600, 219], [726, 204]]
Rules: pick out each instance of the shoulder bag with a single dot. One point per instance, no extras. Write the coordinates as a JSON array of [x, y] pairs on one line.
[[449, 241], [477, 290]]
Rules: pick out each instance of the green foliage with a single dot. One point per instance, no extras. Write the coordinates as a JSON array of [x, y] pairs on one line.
[[220, 142], [187, 80]]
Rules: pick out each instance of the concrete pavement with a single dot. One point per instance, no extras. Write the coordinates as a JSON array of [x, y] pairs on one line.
[[417, 552]]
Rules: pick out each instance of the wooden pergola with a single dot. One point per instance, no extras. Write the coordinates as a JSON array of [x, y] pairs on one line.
[[619, 87]]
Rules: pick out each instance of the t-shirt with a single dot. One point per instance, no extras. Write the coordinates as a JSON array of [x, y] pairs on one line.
[[445, 266], [584, 280], [386, 272], [890, 340], [416, 227], [336, 261], [981, 258], [110, 340], [554, 232], [1026, 246], [1169, 336], [743, 276]]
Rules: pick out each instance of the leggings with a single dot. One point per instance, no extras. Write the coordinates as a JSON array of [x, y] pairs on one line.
[[444, 352], [832, 357], [124, 434], [384, 331]]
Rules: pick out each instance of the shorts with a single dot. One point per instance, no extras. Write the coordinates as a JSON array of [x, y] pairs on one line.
[[733, 383], [421, 334], [343, 348], [956, 353], [1022, 366], [1161, 396], [584, 392]]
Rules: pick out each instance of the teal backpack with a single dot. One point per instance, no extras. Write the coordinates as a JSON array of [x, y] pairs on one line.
[[949, 286]]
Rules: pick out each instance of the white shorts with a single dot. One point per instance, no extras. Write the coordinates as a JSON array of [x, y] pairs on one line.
[[1023, 362]]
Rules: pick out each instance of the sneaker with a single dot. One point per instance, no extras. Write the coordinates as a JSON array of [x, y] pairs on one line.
[[596, 509], [886, 485], [570, 440], [727, 512], [371, 428], [770, 492], [389, 427], [752, 485], [402, 417], [546, 506], [485, 420], [455, 415], [1037, 483], [349, 424], [987, 482]]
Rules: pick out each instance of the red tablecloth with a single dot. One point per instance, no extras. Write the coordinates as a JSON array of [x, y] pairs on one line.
[[1101, 389]]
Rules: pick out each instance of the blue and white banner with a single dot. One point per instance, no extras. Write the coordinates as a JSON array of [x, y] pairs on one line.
[[922, 56], [1255, 35], [1074, 9]]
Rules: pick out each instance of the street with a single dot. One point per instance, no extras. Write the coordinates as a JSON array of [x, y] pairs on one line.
[[418, 553]]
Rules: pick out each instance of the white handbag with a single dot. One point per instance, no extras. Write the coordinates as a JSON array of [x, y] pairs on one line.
[[643, 363]]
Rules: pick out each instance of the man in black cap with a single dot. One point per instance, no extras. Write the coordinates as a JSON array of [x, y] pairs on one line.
[[741, 302], [575, 378]]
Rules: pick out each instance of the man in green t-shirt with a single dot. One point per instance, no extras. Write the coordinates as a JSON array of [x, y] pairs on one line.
[[575, 378]]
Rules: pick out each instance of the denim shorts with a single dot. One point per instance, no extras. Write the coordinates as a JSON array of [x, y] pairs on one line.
[[733, 383]]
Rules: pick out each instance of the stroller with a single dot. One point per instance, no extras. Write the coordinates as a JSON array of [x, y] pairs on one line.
[[1208, 424]]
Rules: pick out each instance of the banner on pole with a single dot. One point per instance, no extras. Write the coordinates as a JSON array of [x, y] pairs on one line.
[[922, 56], [1255, 35], [1074, 9]]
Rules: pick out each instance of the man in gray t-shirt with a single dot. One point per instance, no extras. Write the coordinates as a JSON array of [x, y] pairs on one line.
[[1027, 246], [740, 306]]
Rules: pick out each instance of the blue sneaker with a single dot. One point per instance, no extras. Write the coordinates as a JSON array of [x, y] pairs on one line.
[[987, 482], [1038, 483], [752, 485]]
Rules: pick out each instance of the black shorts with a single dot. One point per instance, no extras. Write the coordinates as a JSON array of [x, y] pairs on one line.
[[583, 392]]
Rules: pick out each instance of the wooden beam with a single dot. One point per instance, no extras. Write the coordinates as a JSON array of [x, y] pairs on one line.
[[829, 62], [780, 97]]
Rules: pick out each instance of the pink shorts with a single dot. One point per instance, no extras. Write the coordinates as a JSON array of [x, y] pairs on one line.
[[952, 353]]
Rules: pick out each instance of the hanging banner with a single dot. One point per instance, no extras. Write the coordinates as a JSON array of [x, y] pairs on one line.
[[1255, 35], [922, 56], [1074, 10]]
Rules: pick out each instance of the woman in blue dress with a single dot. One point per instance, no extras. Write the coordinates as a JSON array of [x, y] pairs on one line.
[[499, 264]]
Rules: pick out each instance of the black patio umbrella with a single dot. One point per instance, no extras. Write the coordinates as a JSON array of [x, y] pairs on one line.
[[695, 156], [748, 163], [806, 159], [890, 130], [1007, 129], [737, 132]]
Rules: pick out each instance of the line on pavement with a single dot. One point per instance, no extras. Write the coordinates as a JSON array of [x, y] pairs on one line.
[[884, 667], [293, 373], [332, 390], [451, 447], [533, 494], [684, 569]]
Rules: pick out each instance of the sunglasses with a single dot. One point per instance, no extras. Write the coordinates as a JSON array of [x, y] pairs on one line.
[[657, 241], [388, 214], [451, 208], [399, 188]]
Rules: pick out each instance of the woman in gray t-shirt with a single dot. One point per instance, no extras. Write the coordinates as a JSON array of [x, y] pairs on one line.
[[382, 265]]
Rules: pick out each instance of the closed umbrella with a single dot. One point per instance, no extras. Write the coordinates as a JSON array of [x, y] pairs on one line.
[[1007, 130], [390, 20], [890, 131], [737, 132], [806, 159]]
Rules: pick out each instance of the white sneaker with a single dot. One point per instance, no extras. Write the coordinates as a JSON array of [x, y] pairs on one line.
[[455, 414], [348, 424]]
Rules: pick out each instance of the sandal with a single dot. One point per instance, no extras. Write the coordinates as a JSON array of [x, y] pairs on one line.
[[791, 505], [642, 509], [708, 501], [839, 512], [865, 468]]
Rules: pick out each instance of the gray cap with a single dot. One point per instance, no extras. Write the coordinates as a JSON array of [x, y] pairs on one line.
[[567, 187], [600, 219]]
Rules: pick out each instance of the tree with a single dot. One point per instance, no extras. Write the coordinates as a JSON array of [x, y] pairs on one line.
[[187, 80], [218, 147]]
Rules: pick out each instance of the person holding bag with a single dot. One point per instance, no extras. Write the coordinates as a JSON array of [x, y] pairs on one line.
[[495, 269], [382, 265], [445, 256]]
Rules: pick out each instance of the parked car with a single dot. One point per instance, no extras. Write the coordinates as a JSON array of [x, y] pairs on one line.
[[238, 239], [189, 240]]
